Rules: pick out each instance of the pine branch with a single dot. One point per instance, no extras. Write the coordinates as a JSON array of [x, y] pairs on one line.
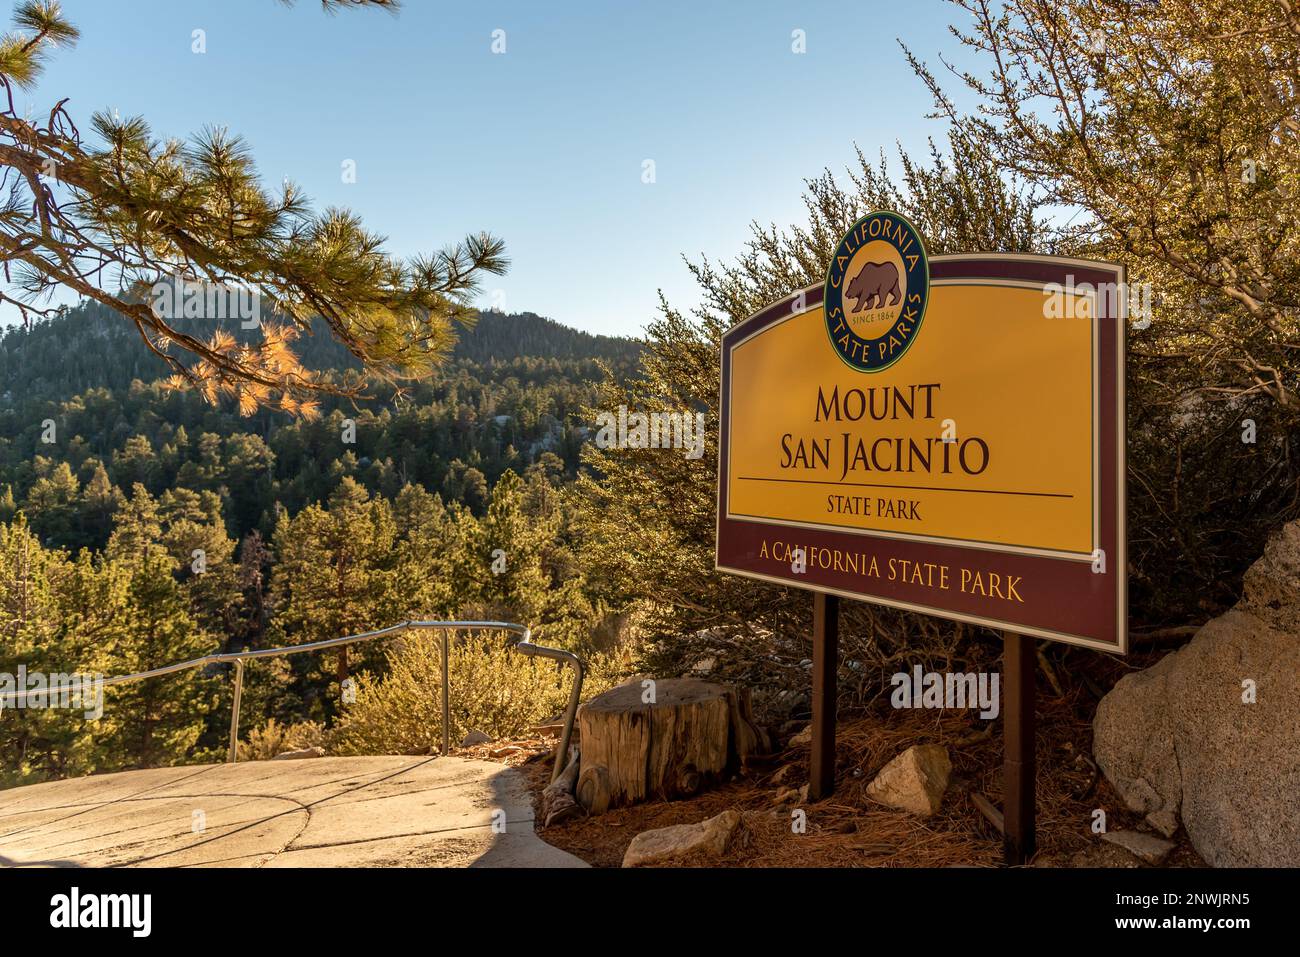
[[121, 220]]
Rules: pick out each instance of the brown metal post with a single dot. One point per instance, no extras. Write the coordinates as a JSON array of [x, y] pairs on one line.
[[1018, 668], [826, 654]]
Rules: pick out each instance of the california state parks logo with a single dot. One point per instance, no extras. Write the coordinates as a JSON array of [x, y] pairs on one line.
[[877, 287]]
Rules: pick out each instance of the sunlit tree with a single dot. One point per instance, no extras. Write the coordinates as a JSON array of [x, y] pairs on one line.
[[112, 215]]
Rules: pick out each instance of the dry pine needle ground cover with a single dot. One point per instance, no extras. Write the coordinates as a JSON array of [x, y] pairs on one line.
[[850, 830]]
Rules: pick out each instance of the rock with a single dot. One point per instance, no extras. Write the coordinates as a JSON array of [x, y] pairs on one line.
[[803, 739], [704, 666], [1133, 741], [1271, 586], [914, 780], [1093, 856], [1178, 741], [553, 727], [1150, 848], [785, 795], [474, 738], [314, 752], [669, 843], [783, 772]]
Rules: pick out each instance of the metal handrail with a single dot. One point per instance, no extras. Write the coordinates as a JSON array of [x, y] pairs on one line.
[[522, 642]]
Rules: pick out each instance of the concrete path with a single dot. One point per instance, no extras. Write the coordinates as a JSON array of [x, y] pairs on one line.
[[314, 812]]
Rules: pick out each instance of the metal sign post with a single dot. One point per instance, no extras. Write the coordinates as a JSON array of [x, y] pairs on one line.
[[1018, 663], [1018, 694], [826, 654]]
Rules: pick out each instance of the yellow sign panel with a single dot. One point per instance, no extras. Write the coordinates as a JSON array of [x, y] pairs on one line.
[[984, 436]]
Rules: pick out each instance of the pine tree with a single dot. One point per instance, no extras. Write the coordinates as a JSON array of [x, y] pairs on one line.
[[193, 531], [52, 505], [148, 212], [334, 573], [60, 618], [157, 721], [29, 615], [254, 565], [509, 553], [428, 534], [137, 529], [100, 500]]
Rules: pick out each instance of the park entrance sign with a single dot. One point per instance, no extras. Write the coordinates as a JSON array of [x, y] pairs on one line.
[[942, 435]]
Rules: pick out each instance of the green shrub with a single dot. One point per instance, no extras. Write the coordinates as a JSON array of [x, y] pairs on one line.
[[274, 738], [493, 689]]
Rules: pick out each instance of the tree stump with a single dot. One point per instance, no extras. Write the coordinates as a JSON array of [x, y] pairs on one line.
[[689, 735]]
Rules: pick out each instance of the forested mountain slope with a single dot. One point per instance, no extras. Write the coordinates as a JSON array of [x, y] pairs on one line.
[[83, 418]]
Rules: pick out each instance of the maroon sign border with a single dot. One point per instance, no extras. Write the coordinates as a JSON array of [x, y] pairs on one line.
[[1066, 600]]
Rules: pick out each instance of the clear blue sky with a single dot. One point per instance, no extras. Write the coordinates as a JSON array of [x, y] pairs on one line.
[[543, 145]]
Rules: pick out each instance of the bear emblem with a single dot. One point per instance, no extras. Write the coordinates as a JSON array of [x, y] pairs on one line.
[[875, 281]]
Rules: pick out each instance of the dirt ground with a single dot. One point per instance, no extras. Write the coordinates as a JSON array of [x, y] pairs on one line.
[[848, 829]]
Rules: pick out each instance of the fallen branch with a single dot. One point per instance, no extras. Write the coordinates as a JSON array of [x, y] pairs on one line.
[[558, 802], [974, 737], [990, 812], [1173, 633], [1051, 675]]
